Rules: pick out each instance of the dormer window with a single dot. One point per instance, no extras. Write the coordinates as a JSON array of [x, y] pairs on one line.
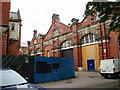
[[55, 33]]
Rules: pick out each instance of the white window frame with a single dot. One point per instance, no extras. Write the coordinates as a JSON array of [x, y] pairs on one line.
[[93, 39], [66, 44]]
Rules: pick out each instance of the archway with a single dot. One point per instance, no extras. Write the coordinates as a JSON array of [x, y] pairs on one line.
[[67, 49]]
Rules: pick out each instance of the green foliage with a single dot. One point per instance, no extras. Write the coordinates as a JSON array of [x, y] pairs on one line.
[[107, 11]]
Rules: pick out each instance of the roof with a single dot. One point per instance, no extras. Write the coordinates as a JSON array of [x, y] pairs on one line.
[[15, 15]]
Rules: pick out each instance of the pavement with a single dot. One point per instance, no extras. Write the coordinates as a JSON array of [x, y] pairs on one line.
[[84, 79]]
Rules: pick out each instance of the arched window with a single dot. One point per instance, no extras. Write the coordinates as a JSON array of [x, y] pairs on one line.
[[35, 41], [55, 33], [88, 38], [38, 50], [66, 44], [48, 53]]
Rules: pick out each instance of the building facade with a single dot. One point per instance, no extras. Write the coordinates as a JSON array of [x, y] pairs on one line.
[[14, 33], [87, 42], [23, 50], [4, 26], [10, 29]]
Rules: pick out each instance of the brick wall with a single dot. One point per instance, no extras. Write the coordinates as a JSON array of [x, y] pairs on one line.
[[4, 12], [4, 23], [113, 45], [14, 48], [3, 43]]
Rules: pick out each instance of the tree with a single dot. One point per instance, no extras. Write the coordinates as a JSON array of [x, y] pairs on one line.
[[106, 11]]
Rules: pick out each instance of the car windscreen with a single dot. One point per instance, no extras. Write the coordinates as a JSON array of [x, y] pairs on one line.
[[10, 77]]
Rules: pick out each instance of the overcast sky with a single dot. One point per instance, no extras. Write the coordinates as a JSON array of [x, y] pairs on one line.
[[36, 14]]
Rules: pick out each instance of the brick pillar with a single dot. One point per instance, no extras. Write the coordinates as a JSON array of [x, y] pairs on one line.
[[41, 47], [75, 54], [57, 44], [28, 42], [52, 47], [103, 43], [80, 57], [76, 51], [76, 48], [100, 34]]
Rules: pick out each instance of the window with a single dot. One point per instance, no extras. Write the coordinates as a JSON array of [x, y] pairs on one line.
[[43, 67], [12, 26], [55, 66], [31, 52], [54, 43], [88, 38], [55, 33], [119, 45], [48, 53], [38, 50], [35, 41], [66, 44]]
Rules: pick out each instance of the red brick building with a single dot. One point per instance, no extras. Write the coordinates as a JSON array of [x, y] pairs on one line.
[[87, 42], [23, 50], [14, 33], [10, 29], [4, 25]]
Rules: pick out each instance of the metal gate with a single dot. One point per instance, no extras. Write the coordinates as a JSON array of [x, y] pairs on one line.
[[68, 53]]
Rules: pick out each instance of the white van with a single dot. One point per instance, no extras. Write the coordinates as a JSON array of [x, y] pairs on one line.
[[110, 67]]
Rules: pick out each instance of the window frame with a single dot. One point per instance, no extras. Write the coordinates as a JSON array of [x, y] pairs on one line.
[[55, 33], [88, 38], [13, 26]]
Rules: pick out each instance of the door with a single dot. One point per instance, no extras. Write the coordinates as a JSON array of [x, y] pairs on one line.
[[91, 66], [90, 52]]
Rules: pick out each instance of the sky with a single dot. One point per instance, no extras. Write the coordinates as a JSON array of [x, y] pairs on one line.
[[37, 14]]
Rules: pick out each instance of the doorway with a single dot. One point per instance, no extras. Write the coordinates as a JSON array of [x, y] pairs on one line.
[[90, 64]]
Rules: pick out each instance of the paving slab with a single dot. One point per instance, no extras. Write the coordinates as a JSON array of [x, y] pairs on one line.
[[84, 79]]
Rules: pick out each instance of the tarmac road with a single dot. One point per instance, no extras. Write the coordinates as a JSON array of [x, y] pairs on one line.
[[84, 79]]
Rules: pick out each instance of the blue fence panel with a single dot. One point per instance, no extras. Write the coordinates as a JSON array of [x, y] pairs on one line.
[[63, 63], [55, 74], [70, 67], [42, 72], [52, 68]]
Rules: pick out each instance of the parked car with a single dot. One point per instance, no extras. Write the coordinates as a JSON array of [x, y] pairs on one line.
[[110, 67], [12, 80]]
